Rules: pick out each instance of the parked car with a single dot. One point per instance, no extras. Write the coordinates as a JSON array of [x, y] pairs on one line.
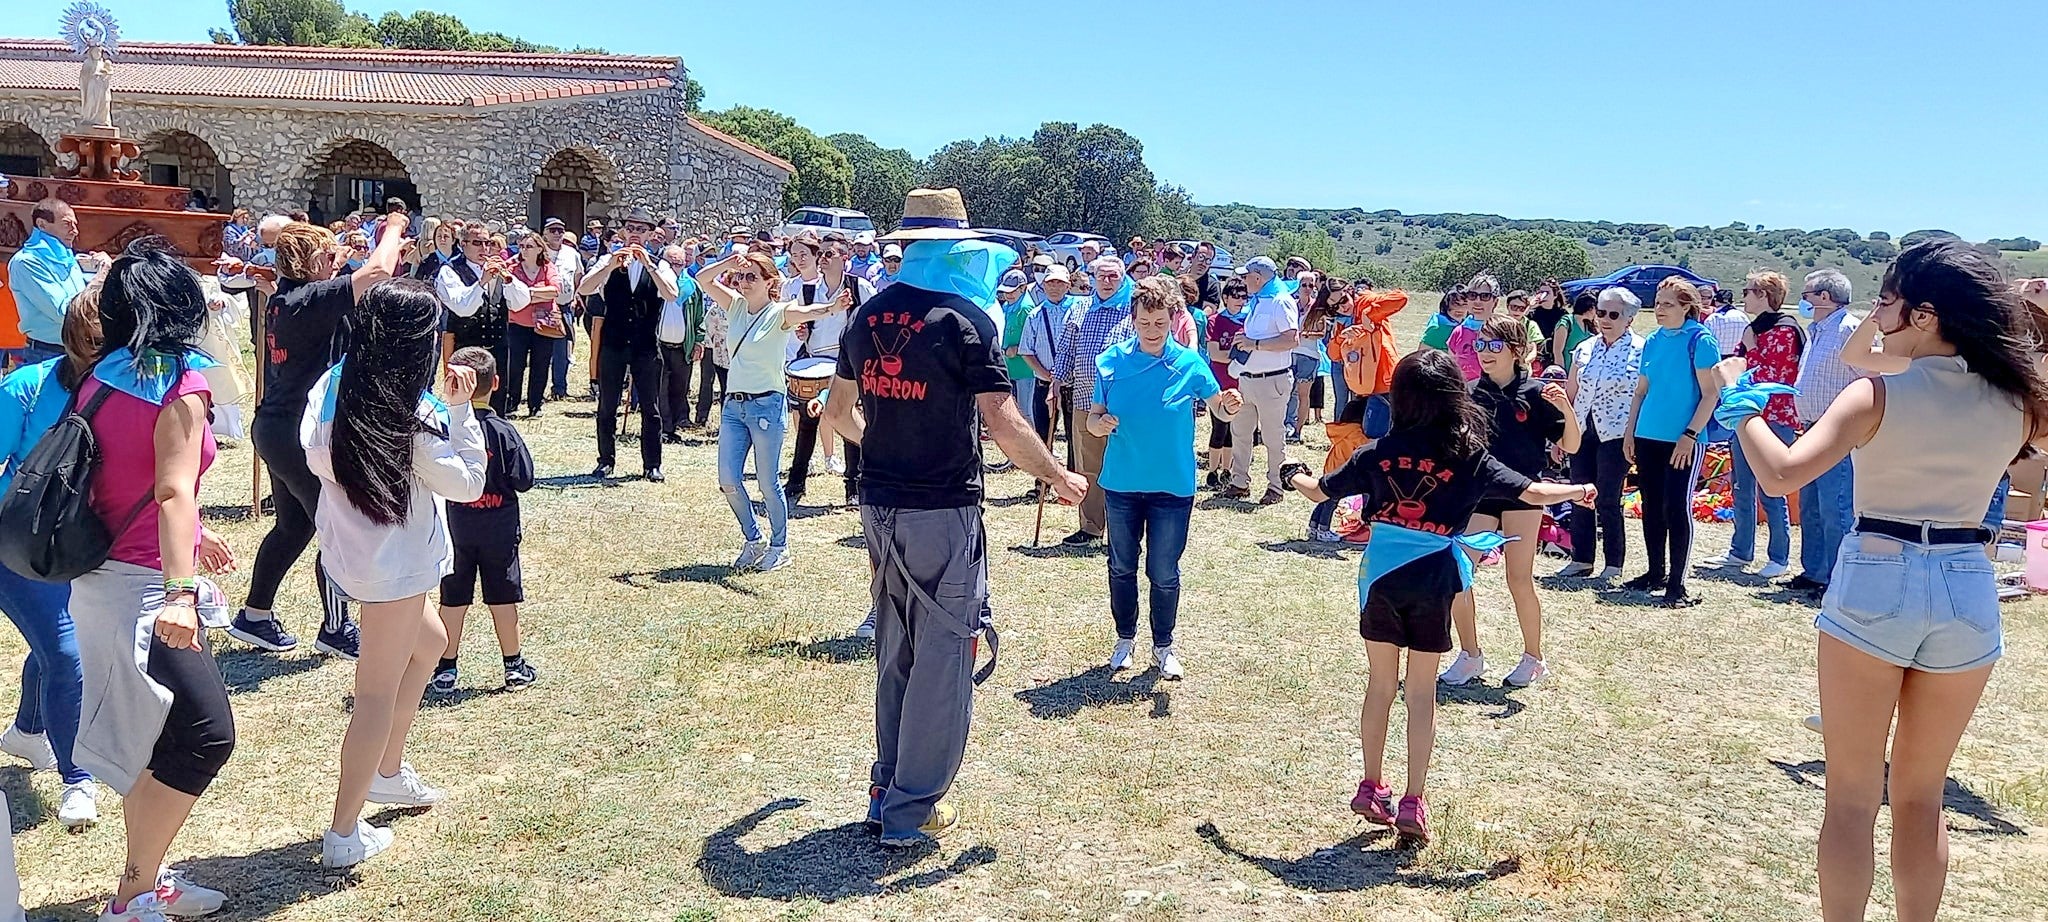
[[1065, 246], [1220, 268], [1014, 239], [1640, 280], [821, 221]]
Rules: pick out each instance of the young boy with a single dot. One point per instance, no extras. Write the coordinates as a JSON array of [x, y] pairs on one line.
[[485, 535]]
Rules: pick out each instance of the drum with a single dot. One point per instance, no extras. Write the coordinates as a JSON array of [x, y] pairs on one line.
[[810, 375]]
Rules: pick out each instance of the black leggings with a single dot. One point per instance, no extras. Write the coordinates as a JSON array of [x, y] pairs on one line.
[[1667, 510], [199, 732], [1601, 463], [296, 492], [800, 458], [524, 357]]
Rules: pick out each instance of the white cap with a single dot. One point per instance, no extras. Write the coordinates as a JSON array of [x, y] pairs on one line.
[[892, 250], [1058, 274], [864, 237]]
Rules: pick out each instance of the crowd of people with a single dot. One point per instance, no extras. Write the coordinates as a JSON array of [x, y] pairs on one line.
[[395, 353]]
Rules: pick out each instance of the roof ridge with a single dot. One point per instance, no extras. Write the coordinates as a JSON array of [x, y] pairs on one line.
[[329, 56]]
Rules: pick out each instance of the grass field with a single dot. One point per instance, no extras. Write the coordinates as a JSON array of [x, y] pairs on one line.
[[698, 746]]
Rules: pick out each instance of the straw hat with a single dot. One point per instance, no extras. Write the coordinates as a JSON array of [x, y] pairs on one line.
[[933, 214]]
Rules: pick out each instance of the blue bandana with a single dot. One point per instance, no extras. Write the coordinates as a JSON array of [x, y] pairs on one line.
[[1122, 298], [153, 382], [968, 268], [49, 249], [333, 398], [1746, 398], [1393, 547]]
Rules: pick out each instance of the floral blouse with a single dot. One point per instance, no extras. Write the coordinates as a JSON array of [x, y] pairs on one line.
[[1607, 374], [714, 335], [1775, 357]]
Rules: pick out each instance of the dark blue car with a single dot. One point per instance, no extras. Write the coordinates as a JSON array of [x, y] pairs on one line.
[[1641, 280]]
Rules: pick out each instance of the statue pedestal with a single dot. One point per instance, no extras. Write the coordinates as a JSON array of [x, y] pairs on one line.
[[101, 155]]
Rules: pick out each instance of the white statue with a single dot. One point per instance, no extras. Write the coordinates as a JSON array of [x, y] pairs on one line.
[[91, 31], [96, 79]]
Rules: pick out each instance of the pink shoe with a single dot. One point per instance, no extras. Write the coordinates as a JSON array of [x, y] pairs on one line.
[[1413, 820], [1375, 802]]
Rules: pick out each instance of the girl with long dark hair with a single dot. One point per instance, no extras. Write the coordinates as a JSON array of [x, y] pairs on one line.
[[1909, 627], [1421, 484], [155, 722], [388, 452], [304, 333]]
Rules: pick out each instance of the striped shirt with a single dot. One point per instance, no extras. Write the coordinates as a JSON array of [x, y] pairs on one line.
[[1822, 373], [1090, 329]]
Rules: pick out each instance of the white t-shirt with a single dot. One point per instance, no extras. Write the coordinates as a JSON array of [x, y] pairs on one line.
[[568, 271], [826, 331], [1268, 318]]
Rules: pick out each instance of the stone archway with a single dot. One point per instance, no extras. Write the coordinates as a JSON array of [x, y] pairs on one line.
[[171, 157], [23, 152], [575, 184], [352, 173]]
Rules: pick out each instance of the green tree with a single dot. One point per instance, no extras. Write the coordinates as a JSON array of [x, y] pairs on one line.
[[1315, 246], [1519, 258], [2019, 244], [881, 177], [1114, 186], [993, 176], [1176, 218], [693, 95], [298, 22], [425, 29], [823, 175]]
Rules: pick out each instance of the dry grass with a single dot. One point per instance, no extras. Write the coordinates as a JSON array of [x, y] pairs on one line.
[[698, 746]]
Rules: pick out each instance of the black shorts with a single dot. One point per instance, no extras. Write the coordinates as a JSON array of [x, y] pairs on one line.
[[1411, 607], [496, 564], [1494, 507]]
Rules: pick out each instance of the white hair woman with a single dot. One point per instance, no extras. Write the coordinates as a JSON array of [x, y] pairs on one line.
[[1605, 370]]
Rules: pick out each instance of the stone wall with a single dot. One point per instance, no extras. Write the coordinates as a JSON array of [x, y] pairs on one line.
[[196, 163], [16, 141], [639, 146]]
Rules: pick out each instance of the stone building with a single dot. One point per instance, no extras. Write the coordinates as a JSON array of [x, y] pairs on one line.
[[471, 134]]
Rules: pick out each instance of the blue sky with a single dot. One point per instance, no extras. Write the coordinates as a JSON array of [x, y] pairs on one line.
[[1873, 114]]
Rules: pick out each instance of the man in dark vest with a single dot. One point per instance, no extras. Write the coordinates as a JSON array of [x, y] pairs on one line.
[[473, 287], [636, 284]]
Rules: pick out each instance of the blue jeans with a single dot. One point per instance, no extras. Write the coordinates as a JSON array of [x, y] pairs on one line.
[[759, 425], [1994, 515], [1340, 391], [31, 354], [52, 681], [1025, 390], [1826, 511], [1743, 545], [559, 380], [1304, 369], [1159, 520]]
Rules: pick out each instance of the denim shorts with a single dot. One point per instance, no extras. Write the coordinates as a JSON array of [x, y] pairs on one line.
[[1931, 607], [1304, 367]]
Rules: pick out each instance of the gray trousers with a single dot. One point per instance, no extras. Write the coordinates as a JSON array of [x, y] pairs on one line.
[[930, 587]]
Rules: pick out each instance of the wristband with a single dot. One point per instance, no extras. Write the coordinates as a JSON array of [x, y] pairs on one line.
[[181, 584], [1692, 434]]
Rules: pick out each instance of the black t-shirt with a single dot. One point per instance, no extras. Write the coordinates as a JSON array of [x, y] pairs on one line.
[[508, 471], [1523, 423], [1404, 482], [920, 358], [305, 331], [1546, 319]]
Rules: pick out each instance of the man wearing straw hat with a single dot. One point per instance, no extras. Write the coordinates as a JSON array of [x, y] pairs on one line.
[[918, 366]]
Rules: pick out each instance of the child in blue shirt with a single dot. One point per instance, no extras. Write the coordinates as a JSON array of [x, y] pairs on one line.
[[1673, 403]]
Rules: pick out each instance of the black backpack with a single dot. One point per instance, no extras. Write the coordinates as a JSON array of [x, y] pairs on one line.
[[48, 529]]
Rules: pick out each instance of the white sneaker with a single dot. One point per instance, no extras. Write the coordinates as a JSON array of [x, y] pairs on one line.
[[79, 808], [1610, 573], [778, 556], [186, 899], [1527, 672], [1120, 658], [33, 748], [1726, 562], [835, 464], [1465, 669], [1574, 570], [404, 789], [145, 907], [866, 631], [1812, 722], [750, 555], [1773, 570], [1168, 662], [367, 842]]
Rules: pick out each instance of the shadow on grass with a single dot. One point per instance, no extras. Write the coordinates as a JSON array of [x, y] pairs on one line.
[[462, 695], [720, 575], [266, 883], [856, 541], [835, 650], [1095, 688], [1316, 549], [1007, 501], [1954, 798], [802, 511], [1629, 598], [827, 865], [1056, 550], [1219, 501], [245, 670], [232, 513], [575, 482], [1575, 584], [1480, 693], [28, 810], [1788, 596], [1350, 865], [1732, 577], [85, 910]]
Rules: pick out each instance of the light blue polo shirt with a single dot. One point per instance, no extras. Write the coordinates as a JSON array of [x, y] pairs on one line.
[[1674, 387], [1153, 400]]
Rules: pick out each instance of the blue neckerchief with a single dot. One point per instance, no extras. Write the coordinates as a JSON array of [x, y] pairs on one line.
[[153, 382], [1272, 289], [333, 398], [1293, 286], [968, 268], [46, 248], [1746, 398], [1472, 322], [1120, 300], [1393, 547]]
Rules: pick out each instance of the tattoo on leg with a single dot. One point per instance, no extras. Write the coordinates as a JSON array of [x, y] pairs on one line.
[[132, 874]]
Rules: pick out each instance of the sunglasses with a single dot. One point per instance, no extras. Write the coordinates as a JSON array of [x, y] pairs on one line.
[[1490, 345], [892, 259], [639, 228], [1607, 315]]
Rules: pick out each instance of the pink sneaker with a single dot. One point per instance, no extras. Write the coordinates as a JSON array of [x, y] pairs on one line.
[[1413, 820], [1375, 802]]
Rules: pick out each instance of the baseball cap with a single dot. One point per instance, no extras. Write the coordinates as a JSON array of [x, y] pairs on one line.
[[739, 229], [1262, 264], [1058, 274], [1012, 280], [552, 223], [1041, 260], [896, 251], [864, 237]]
